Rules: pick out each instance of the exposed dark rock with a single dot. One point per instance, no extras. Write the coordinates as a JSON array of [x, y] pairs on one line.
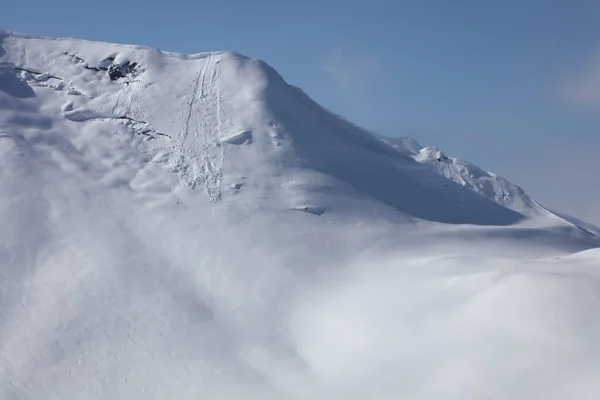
[[312, 210], [106, 63], [84, 63], [116, 71]]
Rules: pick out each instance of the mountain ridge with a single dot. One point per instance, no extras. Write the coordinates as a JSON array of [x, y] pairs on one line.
[[263, 91], [473, 177]]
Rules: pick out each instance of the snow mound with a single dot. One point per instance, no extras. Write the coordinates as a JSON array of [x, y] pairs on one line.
[[431, 154]]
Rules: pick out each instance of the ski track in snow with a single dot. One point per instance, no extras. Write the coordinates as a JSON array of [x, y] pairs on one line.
[[200, 152], [117, 100], [27, 62]]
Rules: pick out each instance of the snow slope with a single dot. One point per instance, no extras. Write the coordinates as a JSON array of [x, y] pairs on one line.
[[191, 226], [487, 184]]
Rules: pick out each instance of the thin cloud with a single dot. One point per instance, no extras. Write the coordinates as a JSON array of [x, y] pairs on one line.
[[583, 87], [351, 70], [577, 194], [592, 213]]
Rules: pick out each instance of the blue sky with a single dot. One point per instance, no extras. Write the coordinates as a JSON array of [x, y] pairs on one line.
[[513, 86]]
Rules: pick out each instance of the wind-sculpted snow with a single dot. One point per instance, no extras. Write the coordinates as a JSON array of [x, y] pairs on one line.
[[198, 228]]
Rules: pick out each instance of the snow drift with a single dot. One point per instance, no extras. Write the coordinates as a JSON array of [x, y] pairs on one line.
[[192, 226]]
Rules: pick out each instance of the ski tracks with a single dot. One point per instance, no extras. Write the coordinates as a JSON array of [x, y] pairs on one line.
[[200, 152]]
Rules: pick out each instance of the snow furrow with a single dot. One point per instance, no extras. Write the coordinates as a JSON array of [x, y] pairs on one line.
[[199, 154]]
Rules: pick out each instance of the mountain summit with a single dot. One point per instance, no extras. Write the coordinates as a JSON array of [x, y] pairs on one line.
[[185, 226]]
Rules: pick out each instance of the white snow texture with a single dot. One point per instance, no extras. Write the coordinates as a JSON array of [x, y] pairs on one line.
[[193, 227]]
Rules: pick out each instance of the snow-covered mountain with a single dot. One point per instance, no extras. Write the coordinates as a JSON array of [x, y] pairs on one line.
[[192, 226], [485, 183]]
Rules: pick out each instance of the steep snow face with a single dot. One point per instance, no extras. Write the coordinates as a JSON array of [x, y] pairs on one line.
[[218, 117], [184, 226]]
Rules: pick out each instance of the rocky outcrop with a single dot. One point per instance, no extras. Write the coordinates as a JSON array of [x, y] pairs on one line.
[[114, 69], [121, 70]]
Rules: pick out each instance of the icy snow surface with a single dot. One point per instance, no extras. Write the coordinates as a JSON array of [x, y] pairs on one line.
[[196, 228]]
